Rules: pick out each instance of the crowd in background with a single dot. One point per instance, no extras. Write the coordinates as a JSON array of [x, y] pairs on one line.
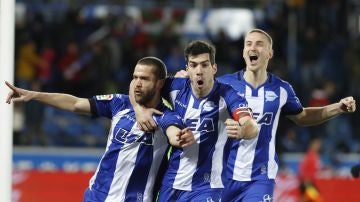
[[67, 50]]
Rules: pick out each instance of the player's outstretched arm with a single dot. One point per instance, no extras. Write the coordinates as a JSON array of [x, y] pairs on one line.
[[317, 115], [143, 115], [180, 138], [246, 128], [62, 101]]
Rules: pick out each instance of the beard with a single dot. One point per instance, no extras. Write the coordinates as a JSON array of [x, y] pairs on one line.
[[145, 97]]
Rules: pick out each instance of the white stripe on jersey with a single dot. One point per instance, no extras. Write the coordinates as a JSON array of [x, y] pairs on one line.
[[189, 159], [217, 159], [121, 179], [173, 95], [245, 156]]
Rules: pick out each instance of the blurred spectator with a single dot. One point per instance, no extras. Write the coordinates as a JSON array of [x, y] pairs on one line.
[[175, 60], [27, 64], [290, 142], [308, 172], [355, 170]]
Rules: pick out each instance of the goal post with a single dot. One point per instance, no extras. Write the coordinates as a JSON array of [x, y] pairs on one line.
[[7, 29]]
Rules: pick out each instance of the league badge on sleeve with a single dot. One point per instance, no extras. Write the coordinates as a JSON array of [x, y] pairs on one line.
[[105, 97]]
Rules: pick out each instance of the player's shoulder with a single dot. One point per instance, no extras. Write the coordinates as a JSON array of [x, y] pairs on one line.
[[232, 76], [279, 81], [225, 89], [176, 83]]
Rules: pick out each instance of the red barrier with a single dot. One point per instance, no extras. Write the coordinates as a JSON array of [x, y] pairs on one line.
[[334, 189], [338, 189], [60, 186], [40, 186]]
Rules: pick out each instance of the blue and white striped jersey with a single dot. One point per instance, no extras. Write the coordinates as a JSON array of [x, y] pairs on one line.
[[256, 158], [201, 165], [132, 158]]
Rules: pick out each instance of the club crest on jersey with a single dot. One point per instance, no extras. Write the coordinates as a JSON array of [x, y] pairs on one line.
[[105, 97], [208, 106], [241, 94], [270, 96]]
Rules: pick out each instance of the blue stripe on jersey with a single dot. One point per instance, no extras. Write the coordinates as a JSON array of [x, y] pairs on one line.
[[137, 181], [229, 168]]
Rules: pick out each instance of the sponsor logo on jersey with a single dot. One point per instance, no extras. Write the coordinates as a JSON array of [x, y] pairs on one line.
[[181, 104], [270, 96], [105, 97], [201, 125], [266, 118]]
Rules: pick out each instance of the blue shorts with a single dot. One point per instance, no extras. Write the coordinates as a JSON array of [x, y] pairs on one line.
[[168, 194], [249, 191]]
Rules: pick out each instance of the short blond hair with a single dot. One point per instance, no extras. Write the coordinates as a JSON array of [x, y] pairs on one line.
[[264, 33]]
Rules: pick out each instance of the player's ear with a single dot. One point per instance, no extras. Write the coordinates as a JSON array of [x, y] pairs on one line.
[[214, 66], [160, 83], [271, 53]]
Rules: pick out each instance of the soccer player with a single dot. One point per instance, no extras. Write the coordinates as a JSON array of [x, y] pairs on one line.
[[253, 164], [130, 164], [214, 112]]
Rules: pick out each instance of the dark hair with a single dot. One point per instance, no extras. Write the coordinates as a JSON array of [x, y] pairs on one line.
[[199, 47], [159, 67]]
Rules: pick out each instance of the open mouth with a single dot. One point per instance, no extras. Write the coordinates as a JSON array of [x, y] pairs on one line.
[[200, 82], [137, 92], [253, 58]]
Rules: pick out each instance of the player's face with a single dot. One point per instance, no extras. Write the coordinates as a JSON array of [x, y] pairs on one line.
[[201, 73], [257, 51], [144, 84]]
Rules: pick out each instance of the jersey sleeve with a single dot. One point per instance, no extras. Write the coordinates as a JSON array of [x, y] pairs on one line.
[[226, 79], [172, 84], [237, 104], [106, 105], [170, 118], [293, 105]]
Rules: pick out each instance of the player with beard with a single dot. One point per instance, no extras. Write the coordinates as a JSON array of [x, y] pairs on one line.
[[253, 164], [129, 166], [214, 112]]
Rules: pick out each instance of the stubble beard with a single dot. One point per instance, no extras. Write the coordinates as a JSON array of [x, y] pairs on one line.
[[145, 98]]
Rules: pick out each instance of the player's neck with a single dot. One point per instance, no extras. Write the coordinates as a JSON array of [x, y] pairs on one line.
[[255, 78], [153, 103]]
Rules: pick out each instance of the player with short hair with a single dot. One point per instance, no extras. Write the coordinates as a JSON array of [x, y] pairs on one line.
[[253, 164], [129, 166], [207, 107]]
